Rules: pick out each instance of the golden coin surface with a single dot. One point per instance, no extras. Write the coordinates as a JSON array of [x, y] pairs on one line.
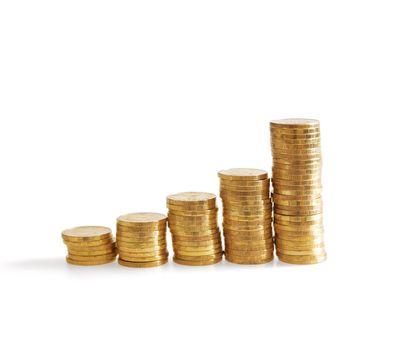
[[206, 212], [195, 254], [92, 257], [197, 244], [138, 240], [281, 197], [197, 263], [298, 219], [315, 251], [135, 245], [295, 123], [86, 233], [89, 263], [198, 258], [139, 258], [245, 183], [317, 228], [243, 174], [154, 250], [142, 264], [109, 250], [231, 247], [178, 238], [248, 261], [292, 245], [144, 219], [90, 244], [191, 197], [250, 253], [302, 259]]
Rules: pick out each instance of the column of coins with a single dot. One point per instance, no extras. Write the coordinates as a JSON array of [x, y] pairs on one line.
[[141, 239], [247, 216], [89, 245], [297, 161], [192, 220]]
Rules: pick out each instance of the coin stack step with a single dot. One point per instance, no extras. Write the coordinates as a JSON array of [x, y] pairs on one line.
[[297, 204], [141, 239], [247, 216], [89, 245], [192, 220]]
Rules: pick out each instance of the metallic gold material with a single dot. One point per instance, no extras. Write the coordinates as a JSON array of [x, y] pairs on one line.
[[298, 207]]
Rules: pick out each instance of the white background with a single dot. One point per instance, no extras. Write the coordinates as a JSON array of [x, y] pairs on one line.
[[108, 106]]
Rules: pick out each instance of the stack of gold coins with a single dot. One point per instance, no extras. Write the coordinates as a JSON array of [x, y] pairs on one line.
[[193, 223], [141, 239], [89, 245], [298, 222], [247, 216]]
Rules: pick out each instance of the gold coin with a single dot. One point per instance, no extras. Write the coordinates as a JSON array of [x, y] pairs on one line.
[[233, 187], [302, 259], [281, 245], [86, 233], [247, 208], [89, 263], [297, 205], [249, 253], [141, 259], [195, 233], [248, 235], [193, 228], [197, 263], [140, 231], [303, 179], [242, 174], [245, 183], [150, 245], [93, 258], [316, 228], [143, 221], [298, 219], [189, 198], [315, 251], [206, 257], [137, 236], [110, 250], [130, 250], [197, 245], [297, 212], [142, 264], [90, 244], [297, 168], [282, 197], [277, 145], [178, 238], [189, 213], [143, 254], [304, 172], [231, 247], [241, 196], [138, 240], [295, 123], [296, 192], [190, 219], [275, 137], [248, 260], [246, 224], [195, 254]]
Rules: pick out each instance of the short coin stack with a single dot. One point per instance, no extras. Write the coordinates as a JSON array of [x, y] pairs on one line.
[[193, 223], [89, 245], [247, 216], [141, 239], [298, 222]]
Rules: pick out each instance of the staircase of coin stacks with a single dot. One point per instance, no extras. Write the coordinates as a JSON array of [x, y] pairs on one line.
[[247, 215]]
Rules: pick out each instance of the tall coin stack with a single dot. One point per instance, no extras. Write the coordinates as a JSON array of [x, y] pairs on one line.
[[141, 239], [193, 223], [247, 216], [298, 221], [89, 245]]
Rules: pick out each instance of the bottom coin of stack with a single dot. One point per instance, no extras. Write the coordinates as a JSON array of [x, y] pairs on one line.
[[89, 245], [247, 216], [193, 223], [141, 240]]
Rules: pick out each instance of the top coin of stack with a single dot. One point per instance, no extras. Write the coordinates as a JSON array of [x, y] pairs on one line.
[[89, 245], [247, 215], [296, 181], [193, 223], [141, 239]]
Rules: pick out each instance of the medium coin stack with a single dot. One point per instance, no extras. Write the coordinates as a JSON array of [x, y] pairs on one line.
[[193, 223], [89, 245], [247, 216], [298, 222], [141, 239]]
